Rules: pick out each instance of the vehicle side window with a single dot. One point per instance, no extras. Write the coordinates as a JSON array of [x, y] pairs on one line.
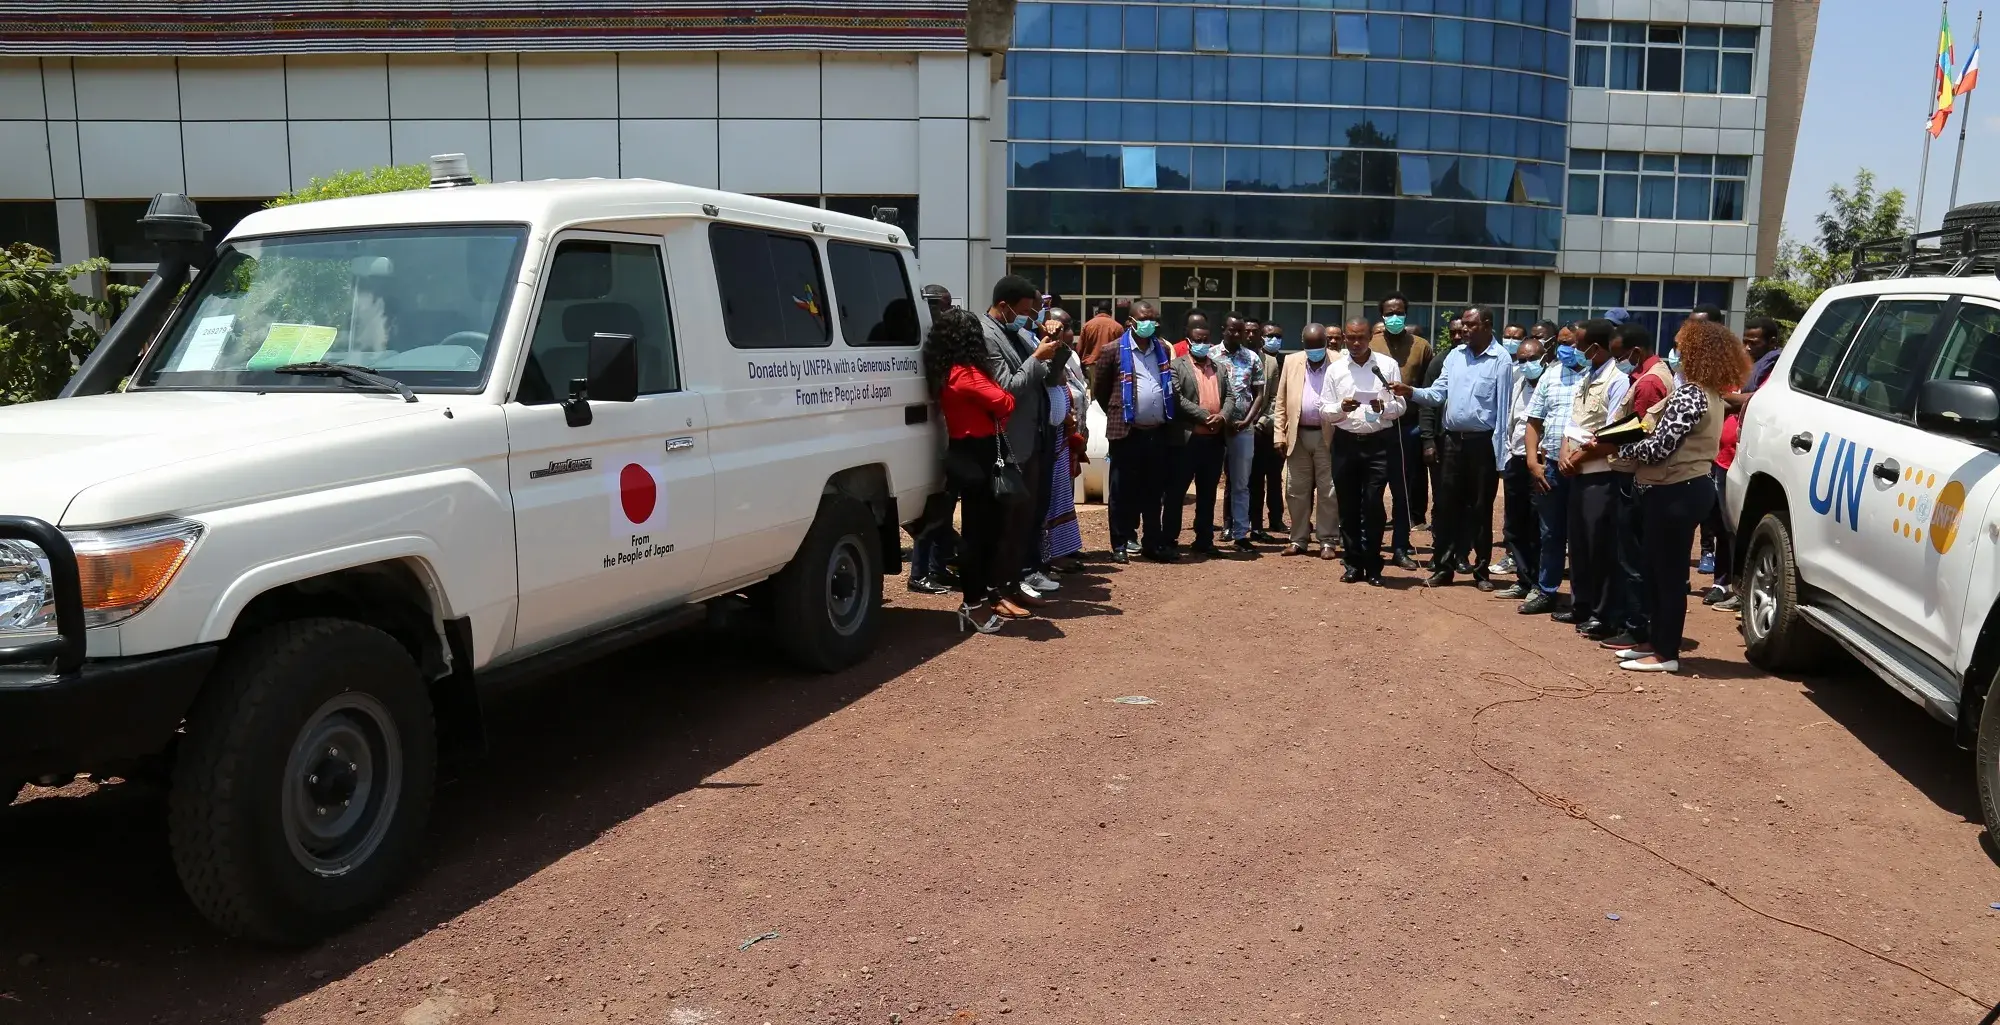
[[1820, 350], [773, 295], [1884, 364], [1972, 350], [598, 287], [876, 307]]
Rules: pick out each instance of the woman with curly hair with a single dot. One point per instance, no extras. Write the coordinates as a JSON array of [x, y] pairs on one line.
[[1681, 443], [975, 412]]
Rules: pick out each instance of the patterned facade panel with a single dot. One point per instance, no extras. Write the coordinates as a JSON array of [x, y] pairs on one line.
[[237, 27]]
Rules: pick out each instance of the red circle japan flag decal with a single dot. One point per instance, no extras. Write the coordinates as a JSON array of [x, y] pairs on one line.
[[638, 499], [637, 493]]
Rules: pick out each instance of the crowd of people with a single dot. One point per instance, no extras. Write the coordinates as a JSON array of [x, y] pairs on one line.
[[1607, 456]]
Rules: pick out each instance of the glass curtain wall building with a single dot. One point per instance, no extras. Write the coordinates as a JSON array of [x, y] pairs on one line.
[[1295, 158]]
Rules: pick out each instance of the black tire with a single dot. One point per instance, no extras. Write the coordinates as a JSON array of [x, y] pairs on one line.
[[272, 736], [1775, 636], [1982, 214], [1987, 750], [828, 600]]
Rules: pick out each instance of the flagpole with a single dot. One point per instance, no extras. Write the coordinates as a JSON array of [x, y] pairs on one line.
[[1930, 110], [1964, 118]]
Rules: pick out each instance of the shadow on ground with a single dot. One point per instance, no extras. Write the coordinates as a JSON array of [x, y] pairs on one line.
[[93, 923], [1919, 748]]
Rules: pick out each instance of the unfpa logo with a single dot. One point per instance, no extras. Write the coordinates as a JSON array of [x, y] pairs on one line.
[[1922, 511]]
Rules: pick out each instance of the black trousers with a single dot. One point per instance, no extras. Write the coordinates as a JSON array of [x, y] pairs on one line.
[[1360, 473], [1199, 462], [1463, 520], [985, 526], [1718, 527], [1267, 484], [1520, 527], [1593, 541], [1040, 477], [1138, 482], [1409, 483], [1671, 513], [1628, 590]]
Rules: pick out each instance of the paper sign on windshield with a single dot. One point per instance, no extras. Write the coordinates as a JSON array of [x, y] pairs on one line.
[[206, 344], [292, 343]]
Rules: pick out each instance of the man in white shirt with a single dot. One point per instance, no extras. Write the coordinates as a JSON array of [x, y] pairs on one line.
[[1521, 530], [1363, 410]]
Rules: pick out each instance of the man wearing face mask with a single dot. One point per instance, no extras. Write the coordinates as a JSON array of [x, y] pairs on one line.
[[1409, 477], [1519, 531], [1652, 380], [1267, 464], [1200, 385], [1474, 389], [1301, 431], [1195, 321], [1135, 385], [1594, 490], [1020, 365], [1360, 402], [1548, 418], [1242, 404]]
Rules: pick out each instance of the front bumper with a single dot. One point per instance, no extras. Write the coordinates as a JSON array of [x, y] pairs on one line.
[[104, 713]]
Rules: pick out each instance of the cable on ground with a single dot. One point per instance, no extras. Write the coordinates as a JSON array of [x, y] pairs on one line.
[[1579, 689]]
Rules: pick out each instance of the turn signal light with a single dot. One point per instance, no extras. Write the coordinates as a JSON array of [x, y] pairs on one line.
[[123, 570]]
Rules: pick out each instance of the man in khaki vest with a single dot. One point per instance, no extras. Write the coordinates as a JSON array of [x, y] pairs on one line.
[[1594, 485]]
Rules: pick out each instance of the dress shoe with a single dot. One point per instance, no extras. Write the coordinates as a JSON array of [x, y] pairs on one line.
[[1671, 665], [1373, 580], [1537, 604], [1514, 593], [1568, 615], [1243, 545], [925, 585], [1118, 556], [1715, 594], [1733, 603], [1022, 594], [1403, 561], [1352, 576], [1261, 537], [1008, 610], [1203, 548], [1326, 552], [1160, 555], [1620, 641], [1586, 627], [1486, 585], [1441, 578], [1293, 550], [1278, 527], [1603, 632]]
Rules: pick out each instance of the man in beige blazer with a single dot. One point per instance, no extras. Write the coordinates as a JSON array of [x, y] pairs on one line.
[[1306, 441]]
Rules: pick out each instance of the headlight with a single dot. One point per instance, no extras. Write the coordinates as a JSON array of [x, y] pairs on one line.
[[120, 571]]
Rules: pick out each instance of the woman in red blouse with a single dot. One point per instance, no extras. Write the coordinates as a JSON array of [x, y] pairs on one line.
[[975, 410]]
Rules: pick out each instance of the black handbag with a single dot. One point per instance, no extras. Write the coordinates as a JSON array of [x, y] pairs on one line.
[[1008, 485]]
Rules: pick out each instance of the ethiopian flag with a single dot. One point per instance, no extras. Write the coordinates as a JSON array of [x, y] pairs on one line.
[[1947, 85]]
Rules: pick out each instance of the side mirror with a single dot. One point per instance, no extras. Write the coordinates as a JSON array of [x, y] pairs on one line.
[[614, 377], [1961, 409]]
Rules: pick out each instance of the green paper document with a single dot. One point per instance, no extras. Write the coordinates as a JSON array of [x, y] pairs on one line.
[[292, 343]]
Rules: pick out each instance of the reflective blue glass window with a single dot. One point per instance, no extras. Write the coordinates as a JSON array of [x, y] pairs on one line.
[[1280, 170], [1175, 167], [1447, 87], [1415, 130], [1351, 34], [1628, 67], [1246, 79], [1530, 90], [1031, 74], [1384, 35], [1417, 39], [1066, 120], [1415, 87], [1657, 162], [1694, 163], [1313, 128], [1448, 39], [1692, 203], [1140, 167], [1245, 170], [1499, 180], [1066, 28], [1281, 32], [1607, 292], [1413, 175], [1736, 72], [1556, 60], [1450, 6], [1344, 126], [1315, 81], [1209, 169], [1678, 295], [1344, 173], [1106, 27], [1555, 101], [1315, 33], [1031, 25], [1246, 31], [1559, 15], [1280, 126], [1643, 293], [1141, 76], [1309, 170], [1103, 121], [1505, 93], [1500, 137], [1583, 194], [1209, 120], [1621, 160], [1621, 195], [1378, 174], [1029, 119], [1509, 10], [1101, 75], [1712, 292], [1066, 74], [1445, 182], [1350, 82], [1143, 29], [1478, 90], [1381, 90], [1507, 44], [1281, 81], [1379, 129], [1176, 29], [1172, 123], [1211, 78], [1175, 78], [1211, 29], [1475, 134], [1028, 161], [1703, 35], [1586, 159], [1444, 131], [1242, 126], [1479, 43], [1656, 197], [1593, 31]]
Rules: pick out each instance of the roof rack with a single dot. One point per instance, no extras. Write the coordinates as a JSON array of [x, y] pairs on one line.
[[1954, 252]]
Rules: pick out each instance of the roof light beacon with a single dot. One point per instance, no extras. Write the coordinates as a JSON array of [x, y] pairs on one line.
[[450, 170]]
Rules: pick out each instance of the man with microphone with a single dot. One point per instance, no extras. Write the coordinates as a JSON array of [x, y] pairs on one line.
[[1361, 403]]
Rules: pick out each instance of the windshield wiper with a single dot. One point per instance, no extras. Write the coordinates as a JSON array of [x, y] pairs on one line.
[[358, 375]]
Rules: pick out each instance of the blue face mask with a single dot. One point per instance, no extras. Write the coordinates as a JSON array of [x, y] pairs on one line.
[[1199, 350], [1021, 322], [1569, 357], [1316, 355], [1512, 345], [1532, 369], [1145, 328], [1274, 345], [1393, 323], [1674, 361], [1626, 366]]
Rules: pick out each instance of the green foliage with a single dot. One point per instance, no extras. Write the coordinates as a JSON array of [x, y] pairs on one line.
[[46, 326], [1803, 270], [373, 181]]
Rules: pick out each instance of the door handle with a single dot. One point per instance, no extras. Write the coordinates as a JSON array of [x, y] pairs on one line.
[[679, 444], [1888, 472], [1802, 442]]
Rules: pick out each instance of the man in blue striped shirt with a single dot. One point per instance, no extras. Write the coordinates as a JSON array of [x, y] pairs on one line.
[[1548, 417], [1475, 388]]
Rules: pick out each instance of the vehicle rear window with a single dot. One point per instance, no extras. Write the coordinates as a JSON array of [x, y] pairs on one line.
[[1888, 357], [876, 307], [1823, 346], [773, 294]]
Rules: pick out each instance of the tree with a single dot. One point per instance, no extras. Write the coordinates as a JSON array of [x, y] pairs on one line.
[[1802, 270], [47, 327], [369, 182]]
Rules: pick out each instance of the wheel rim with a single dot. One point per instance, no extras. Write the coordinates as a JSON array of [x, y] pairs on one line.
[[342, 782], [1763, 591], [846, 588]]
